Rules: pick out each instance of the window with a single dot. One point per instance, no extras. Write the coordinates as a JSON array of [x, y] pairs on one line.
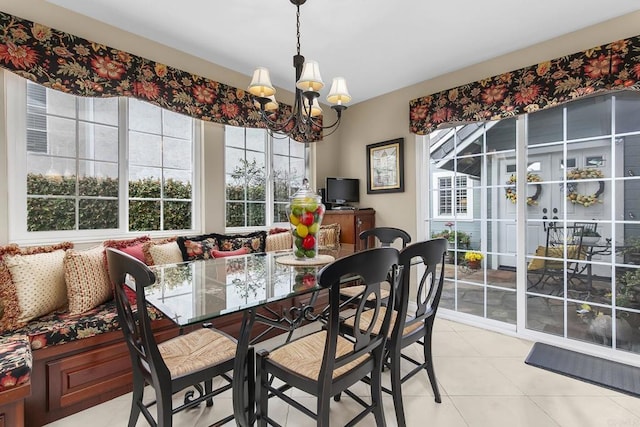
[[160, 168], [452, 201], [261, 173], [73, 153]]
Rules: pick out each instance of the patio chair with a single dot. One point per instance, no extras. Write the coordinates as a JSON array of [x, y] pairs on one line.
[[326, 363], [188, 360], [549, 267]]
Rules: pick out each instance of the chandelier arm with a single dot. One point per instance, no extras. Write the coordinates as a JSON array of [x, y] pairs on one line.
[[332, 125], [274, 125]]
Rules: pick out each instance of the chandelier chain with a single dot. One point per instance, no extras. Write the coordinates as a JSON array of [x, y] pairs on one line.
[[298, 28]]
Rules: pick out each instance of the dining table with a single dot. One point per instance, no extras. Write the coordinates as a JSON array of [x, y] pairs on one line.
[[196, 292]]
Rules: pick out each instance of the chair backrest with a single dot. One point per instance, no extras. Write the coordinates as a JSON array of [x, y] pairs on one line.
[[373, 266], [430, 255], [559, 236], [385, 236], [136, 324], [587, 226]]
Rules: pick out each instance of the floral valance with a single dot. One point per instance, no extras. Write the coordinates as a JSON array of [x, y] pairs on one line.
[[81, 67], [609, 67]]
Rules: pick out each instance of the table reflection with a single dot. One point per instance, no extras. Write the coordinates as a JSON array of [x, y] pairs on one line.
[[196, 291]]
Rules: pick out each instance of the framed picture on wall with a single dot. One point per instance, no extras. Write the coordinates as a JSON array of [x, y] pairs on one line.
[[385, 167]]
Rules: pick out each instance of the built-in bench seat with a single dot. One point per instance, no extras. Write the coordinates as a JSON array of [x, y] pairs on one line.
[[65, 363]]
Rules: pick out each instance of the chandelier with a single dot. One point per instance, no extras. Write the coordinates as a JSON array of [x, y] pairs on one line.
[[304, 118]]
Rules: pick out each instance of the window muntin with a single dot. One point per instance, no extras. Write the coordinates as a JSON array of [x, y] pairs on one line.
[[261, 173]]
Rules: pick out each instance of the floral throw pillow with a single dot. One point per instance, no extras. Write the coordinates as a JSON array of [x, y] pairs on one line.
[[197, 247], [255, 242]]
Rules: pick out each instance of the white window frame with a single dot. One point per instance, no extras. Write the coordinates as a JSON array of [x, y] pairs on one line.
[[435, 213], [270, 202], [15, 93]]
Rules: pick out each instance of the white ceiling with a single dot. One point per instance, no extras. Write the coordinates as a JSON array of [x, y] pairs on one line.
[[378, 46]]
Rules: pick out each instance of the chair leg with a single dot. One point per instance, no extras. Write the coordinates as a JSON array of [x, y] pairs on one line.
[[262, 397], [164, 406], [208, 388], [323, 410], [396, 387], [136, 400], [376, 393], [429, 362]]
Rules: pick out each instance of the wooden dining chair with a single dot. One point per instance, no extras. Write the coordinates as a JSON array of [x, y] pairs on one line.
[[325, 363], [411, 324], [188, 360], [384, 237]]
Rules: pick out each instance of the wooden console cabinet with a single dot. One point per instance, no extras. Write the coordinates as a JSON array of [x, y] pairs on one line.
[[352, 223]]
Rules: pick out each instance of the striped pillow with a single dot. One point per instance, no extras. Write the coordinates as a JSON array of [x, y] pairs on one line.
[[88, 283]]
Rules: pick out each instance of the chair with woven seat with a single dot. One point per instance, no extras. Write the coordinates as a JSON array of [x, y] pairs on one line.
[[324, 363], [177, 364], [416, 324], [383, 237]]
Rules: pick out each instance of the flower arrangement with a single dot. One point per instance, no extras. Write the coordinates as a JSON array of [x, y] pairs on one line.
[[510, 192], [473, 256]]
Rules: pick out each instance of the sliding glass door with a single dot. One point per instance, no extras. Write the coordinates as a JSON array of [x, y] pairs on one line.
[[582, 273], [548, 203]]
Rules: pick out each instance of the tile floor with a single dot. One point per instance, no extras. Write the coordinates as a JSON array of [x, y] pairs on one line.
[[483, 381]]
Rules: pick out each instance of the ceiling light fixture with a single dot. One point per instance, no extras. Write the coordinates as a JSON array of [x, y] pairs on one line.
[[303, 118]]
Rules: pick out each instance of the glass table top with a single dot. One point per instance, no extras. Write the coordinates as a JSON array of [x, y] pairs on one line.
[[197, 291]]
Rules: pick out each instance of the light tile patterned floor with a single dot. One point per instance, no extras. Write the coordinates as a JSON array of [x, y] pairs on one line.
[[483, 381]]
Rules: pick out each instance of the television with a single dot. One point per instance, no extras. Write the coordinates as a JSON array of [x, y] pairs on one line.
[[341, 191]]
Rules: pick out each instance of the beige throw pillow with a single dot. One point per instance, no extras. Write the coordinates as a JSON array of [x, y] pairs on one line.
[[39, 283], [279, 242], [88, 283], [162, 252]]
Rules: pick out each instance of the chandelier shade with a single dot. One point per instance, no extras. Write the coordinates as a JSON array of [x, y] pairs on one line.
[[304, 121], [339, 94], [310, 80], [261, 83]]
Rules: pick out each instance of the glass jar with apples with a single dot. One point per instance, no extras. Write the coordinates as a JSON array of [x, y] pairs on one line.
[[305, 213]]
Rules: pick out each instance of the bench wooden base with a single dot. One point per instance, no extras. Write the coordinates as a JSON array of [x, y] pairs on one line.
[[12, 405], [70, 377]]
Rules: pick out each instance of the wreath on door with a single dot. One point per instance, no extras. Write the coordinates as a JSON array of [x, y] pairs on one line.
[[512, 195], [585, 200]]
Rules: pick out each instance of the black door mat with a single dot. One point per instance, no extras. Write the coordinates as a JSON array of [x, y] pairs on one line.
[[595, 370]]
